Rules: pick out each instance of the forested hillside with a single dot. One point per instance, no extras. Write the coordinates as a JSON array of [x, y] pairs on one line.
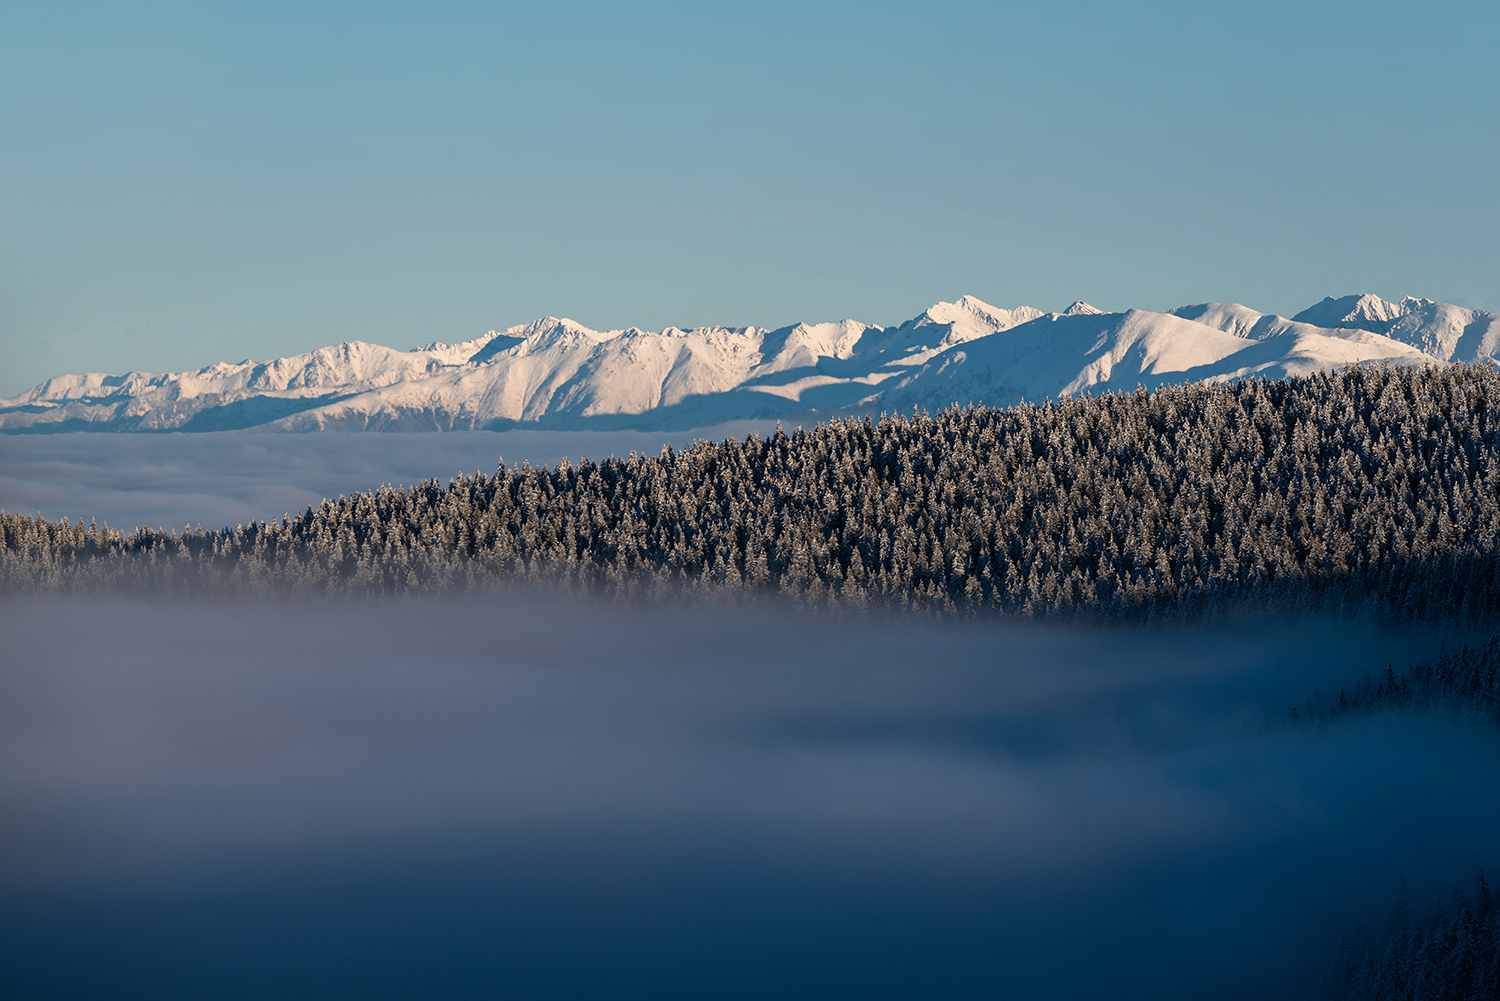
[[1454, 951], [1451, 952], [1465, 683], [1368, 491]]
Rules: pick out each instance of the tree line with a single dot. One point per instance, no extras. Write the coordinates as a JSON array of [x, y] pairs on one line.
[[1450, 954], [1465, 683], [1368, 491]]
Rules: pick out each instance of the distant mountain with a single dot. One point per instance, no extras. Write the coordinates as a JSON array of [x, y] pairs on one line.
[[559, 374], [1448, 333]]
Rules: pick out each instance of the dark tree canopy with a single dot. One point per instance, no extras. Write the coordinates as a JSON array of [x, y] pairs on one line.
[[1464, 683], [1450, 954]]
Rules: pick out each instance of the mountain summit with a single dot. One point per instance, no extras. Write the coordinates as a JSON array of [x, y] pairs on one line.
[[1355, 312], [556, 373]]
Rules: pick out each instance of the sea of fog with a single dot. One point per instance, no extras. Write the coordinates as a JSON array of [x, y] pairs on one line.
[[229, 478], [536, 797]]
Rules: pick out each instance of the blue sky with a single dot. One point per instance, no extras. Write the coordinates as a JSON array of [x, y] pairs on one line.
[[187, 183]]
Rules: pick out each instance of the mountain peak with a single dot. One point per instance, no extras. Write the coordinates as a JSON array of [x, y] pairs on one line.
[[1081, 308], [964, 305], [1361, 311], [971, 317]]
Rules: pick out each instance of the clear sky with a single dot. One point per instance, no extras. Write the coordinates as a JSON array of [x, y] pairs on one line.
[[185, 183]]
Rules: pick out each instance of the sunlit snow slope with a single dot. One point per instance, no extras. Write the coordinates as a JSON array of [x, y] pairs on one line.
[[559, 374]]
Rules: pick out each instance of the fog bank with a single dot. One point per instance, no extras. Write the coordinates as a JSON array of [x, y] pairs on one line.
[[544, 798]]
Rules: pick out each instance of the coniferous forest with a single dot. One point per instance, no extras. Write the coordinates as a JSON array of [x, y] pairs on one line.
[[1466, 683], [1371, 491], [1451, 952]]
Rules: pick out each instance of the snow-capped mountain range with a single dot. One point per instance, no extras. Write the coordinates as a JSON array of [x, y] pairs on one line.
[[559, 374]]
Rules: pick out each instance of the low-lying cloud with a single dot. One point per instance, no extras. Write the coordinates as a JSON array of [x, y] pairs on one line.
[[595, 800], [228, 478]]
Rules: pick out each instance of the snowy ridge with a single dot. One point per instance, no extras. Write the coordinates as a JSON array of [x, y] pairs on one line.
[[556, 373], [1450, 333]]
